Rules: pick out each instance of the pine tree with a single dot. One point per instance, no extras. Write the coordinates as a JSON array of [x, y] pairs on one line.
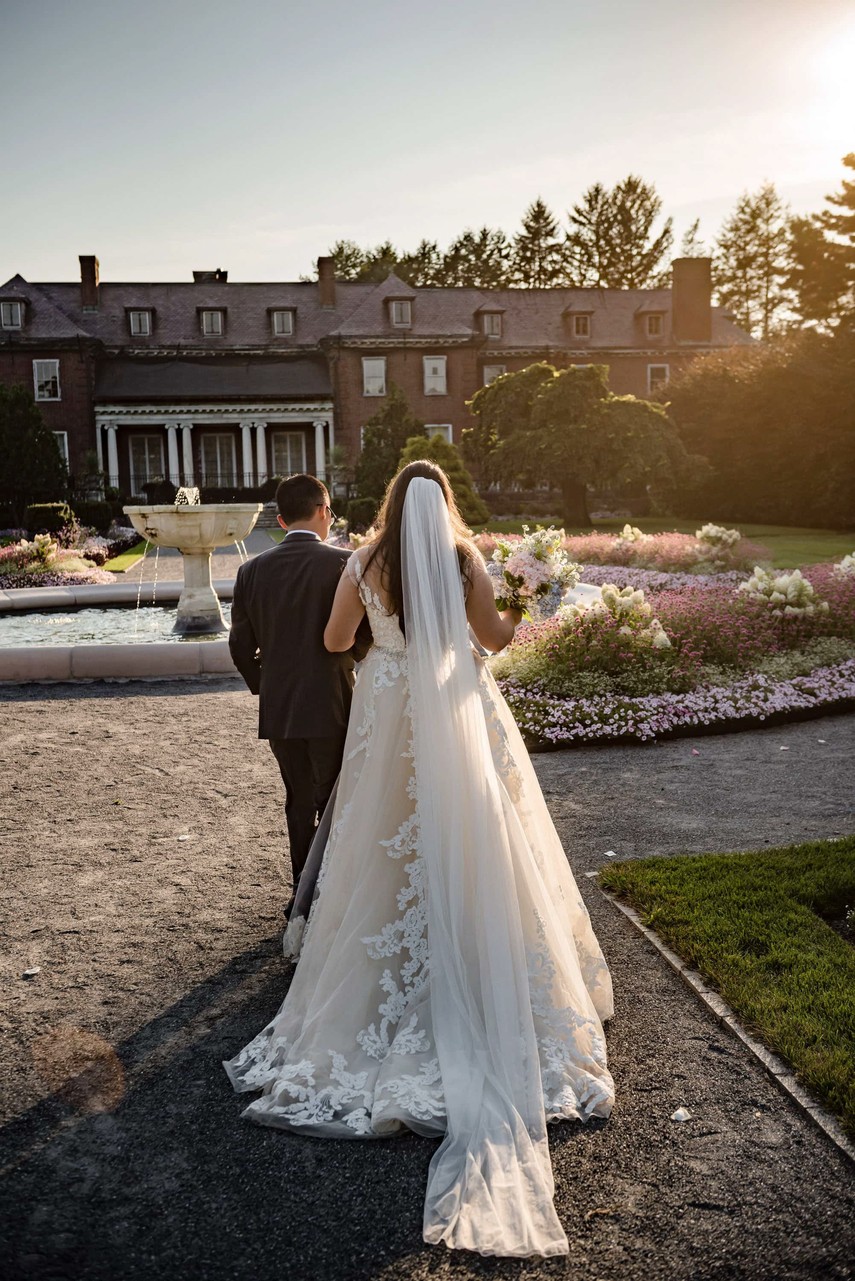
[[33, 470], [479, 259], [611, 244], [842, 224], [751, 263], [348, 259], [385, 435], [817, 273], [448, 457], [379, 262], [691, 246], [538, 254], [424, 266], [589, 241]]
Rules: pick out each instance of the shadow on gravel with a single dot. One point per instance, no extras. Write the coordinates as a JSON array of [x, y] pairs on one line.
[[172, 1182], [167, 687]]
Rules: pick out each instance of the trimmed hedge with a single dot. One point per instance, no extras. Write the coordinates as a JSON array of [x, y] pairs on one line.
[[47, 518], [360, 513], [95, 514]]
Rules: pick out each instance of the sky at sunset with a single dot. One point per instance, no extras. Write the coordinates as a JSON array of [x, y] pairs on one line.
[[165, 137]]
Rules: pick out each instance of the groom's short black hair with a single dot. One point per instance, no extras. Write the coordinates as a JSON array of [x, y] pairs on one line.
[[299, 497]]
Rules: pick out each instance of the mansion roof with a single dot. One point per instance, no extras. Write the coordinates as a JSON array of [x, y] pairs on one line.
[[230, 378], [532, 319]]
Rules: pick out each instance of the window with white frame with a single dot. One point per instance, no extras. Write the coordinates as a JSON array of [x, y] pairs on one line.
[[146, 458], [436, 380], [440, 429], [492, 372], [491, 324], [213, 323], [61, 438], [288, 452], [581, 326], [374, 375], [11, 315], [46, 379], [219, 458], [401, 312], [139, 322], [657, 376], [654, 325], [282, 322]]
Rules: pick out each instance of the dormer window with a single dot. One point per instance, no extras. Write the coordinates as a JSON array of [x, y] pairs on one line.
[[654, 324], [11, 315], [581, 326], [282, 322], [212, 322], [401, 312], [139, 323], [491, 324]]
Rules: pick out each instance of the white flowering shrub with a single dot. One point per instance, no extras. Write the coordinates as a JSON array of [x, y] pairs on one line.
[[846, 566], [628, 607], [784, 593], [716, 536], [632, 536]]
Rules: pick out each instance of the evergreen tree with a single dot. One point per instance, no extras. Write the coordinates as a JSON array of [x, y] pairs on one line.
[[424, 266], [348, 259], [385, 435], [448, 457], [538, 254], [751, 262], [842, 223], [33, 469], [378, 263], [691, 246], [817, 273], [611, 244], [479, 259]]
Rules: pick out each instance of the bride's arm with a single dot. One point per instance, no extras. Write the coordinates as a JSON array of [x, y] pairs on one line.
[[494, 630], [347, 613]]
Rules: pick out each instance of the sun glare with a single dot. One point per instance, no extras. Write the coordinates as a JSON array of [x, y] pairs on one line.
[[834, 97]]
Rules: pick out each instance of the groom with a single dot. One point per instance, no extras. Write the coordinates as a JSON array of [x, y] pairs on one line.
[[282, 600]]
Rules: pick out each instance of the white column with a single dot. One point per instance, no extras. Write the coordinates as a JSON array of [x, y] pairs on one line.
[[246, 447], [187, 452], [320, 450], [112, 455], [99, 447], [172, 452], [331, 431], [261, 451]]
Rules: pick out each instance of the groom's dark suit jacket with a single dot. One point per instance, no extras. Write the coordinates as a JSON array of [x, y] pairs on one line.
[[282, 601]]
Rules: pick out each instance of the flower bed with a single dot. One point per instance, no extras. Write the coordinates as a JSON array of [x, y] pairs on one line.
[[44, 563], [711, 550]]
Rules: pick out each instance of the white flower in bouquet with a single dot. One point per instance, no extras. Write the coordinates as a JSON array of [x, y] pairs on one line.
[[717, 536], [532, 573], [846, 566], [786, 593]]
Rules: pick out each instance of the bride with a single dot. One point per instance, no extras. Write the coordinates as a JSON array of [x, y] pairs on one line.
[[449, 979]]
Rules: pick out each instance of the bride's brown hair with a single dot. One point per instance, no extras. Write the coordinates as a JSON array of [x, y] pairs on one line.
[[387, 544]]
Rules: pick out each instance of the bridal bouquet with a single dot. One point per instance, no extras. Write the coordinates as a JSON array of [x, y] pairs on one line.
[[532, 573]]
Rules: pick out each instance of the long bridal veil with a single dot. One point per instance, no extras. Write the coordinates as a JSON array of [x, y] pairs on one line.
[[490, 1185]]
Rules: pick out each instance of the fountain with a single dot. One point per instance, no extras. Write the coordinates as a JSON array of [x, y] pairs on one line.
[[196, 530]]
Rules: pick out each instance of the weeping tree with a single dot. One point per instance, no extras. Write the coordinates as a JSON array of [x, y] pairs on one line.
[[544, 425]]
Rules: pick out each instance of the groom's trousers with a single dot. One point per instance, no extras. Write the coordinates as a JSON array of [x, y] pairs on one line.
[[309, 769]]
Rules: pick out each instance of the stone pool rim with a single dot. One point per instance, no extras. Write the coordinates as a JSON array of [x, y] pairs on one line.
[[160, 660]]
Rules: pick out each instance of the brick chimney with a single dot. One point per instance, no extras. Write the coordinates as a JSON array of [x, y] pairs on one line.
[[326, 281], [691, 299], [88, 280]]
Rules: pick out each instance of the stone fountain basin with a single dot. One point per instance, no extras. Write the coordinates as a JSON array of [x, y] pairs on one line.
[[194, 529]]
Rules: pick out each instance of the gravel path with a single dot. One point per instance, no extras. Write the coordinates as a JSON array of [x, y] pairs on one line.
[[160, 957]]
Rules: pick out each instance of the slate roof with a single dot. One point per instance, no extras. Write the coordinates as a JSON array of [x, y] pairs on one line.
[[227, 378], [532, 318]]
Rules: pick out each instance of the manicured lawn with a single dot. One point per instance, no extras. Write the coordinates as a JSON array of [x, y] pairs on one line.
[[127, 559], [789, 546], [753, 925]]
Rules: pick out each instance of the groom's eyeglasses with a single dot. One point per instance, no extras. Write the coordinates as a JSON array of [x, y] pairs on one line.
[[327, 507]]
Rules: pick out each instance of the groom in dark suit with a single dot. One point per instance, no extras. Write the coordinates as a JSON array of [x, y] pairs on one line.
[[282, 600]]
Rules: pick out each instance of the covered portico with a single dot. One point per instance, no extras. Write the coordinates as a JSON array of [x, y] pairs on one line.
[[231, 440]]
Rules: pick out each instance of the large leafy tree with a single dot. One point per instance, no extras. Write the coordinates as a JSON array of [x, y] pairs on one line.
[[33, 469], [775, 422], [750, 267], [385, 436], [611, 241], [480, 259], [447, 456], [546, 425], [538, 253]]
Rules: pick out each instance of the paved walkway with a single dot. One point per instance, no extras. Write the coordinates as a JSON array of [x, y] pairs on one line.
[[168, 563], [169, 953]]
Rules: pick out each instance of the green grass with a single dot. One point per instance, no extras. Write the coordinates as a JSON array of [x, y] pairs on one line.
[[752, 925], [125, 560], [789, 546]]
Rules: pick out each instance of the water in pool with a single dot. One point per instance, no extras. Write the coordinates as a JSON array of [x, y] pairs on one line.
[[97, 626]]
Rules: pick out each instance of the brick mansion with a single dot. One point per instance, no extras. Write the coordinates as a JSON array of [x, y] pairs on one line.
[[219, 383]]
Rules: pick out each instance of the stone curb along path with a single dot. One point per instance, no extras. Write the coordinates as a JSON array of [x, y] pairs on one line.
[[776, 1067]]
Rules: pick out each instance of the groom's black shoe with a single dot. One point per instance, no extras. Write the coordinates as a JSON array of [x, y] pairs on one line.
[[288, 906]]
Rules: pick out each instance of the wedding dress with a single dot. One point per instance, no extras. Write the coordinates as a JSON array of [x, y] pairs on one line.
[[449, 979]]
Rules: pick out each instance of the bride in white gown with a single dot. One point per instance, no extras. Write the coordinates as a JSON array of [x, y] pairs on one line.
[[449, 979]]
